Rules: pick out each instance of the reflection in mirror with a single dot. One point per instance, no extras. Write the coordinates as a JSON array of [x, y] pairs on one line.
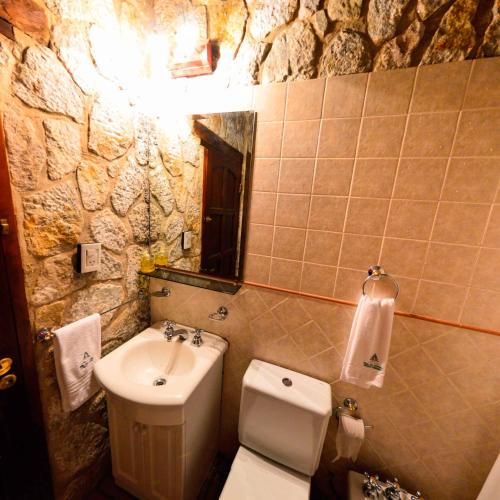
[[199, 194]]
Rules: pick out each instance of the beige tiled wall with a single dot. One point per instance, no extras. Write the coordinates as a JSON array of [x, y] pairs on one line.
[[345, 177], [399, 167], [435, 420]]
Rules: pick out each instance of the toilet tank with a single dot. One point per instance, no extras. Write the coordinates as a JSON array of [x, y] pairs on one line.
[[284, 415]]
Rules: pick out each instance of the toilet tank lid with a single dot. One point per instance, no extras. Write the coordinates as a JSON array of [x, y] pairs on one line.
[[305, 392]]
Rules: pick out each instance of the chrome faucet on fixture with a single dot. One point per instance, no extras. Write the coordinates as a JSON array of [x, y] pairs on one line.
[[170, 332]]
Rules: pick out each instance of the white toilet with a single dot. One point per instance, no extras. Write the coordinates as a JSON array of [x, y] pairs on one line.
[[282, 427]]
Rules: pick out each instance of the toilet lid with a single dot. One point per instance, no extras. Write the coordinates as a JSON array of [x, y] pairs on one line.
[[254, 477]]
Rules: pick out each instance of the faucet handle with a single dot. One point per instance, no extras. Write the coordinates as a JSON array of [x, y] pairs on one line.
[[169, 324], [197, 340]]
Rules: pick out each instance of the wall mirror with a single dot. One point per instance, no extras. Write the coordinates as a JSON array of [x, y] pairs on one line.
[[199, 197]]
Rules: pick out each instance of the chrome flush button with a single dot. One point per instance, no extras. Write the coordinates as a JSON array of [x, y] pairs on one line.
[[286, 381]]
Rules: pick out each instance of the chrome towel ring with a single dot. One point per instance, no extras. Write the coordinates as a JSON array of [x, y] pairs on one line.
[[376, 273]]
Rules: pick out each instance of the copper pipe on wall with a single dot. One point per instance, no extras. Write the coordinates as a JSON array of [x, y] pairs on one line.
[[398, 313]]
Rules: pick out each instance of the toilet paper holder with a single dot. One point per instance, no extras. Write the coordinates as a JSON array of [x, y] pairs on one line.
[[350, 405]]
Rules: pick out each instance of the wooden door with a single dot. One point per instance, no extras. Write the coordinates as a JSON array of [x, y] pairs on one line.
[[221, 210], [24, 471]]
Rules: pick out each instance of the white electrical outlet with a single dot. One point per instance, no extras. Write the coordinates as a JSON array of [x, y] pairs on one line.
[[90, 257], [187, 236]]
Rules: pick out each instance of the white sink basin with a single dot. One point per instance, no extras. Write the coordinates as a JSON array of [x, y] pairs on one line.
[[163, 412], [130, 372]]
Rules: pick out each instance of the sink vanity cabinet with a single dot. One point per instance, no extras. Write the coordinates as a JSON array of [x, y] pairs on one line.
[[163, 437]]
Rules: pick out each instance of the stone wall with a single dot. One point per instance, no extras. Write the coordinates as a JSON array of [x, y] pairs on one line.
[[78, 160], [274, 41]]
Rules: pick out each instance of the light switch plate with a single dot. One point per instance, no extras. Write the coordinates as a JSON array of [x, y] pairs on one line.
[[89, 257], [186, 240]]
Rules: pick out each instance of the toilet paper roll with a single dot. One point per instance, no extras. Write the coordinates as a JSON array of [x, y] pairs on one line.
[[350, 435]]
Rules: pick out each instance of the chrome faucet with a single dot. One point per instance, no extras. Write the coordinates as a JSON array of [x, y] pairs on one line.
[[169, 330], [197, 340]]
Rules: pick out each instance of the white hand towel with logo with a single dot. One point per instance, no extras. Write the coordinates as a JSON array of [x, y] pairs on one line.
[[366, 357], [76, 348]]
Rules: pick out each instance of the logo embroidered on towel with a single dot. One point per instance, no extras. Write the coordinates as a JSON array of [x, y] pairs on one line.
[[87, 359], [373, 363]]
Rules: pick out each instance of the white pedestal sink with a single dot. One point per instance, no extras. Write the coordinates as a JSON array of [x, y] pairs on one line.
[[163, 437]]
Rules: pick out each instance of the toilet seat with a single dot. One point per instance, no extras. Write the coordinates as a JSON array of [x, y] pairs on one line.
[[254, 477]]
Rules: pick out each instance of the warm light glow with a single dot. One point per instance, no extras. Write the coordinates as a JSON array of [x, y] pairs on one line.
[[187, 39]]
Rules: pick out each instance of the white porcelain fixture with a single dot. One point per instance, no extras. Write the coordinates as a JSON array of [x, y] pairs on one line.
[[163, 437], [282, 427], [491, 487]]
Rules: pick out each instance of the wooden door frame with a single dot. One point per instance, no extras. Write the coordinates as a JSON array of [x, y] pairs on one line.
[[15, 278]]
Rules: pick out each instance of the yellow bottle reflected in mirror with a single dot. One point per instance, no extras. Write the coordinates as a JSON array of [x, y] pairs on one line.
[[147, 262]]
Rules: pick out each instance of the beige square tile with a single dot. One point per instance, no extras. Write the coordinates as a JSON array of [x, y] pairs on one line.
[[290, 314], [440, 87], [440, 300], [450, 263], [442, 392], [257, 268], [300, 139], [403, 257], [318, 279], [401, 340], [327, 213], [389, 92], [348, 284], [415, 367], [483, 90], [296, 176], [465, 429], [344, 96], [305, 99], [338, 138], [269, 102], [430, 134], [266, 328], [405, 409], [460, 223], [262, 207], [260, 239], [366, 216], [326, 365], [492, 236], [472, 180], [407, 293], [487, 272], [322, 247], [374, 178], [333, 177], [478, 383], [292, 210], [359, 252], [289, 243], [381, 136], [268, 140], [310, 339], [420, 178], [427, 439], [477, 133], [411, 219], [453, 351], [265, 175], [285, 274]]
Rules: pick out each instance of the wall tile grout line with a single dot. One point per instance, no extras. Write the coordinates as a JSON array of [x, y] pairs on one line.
[[452, 147], [278, 183], [351, 184], [312, 186]]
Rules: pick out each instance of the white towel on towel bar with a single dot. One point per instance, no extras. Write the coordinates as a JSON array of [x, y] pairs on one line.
[[76, 348], [368, 349]]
